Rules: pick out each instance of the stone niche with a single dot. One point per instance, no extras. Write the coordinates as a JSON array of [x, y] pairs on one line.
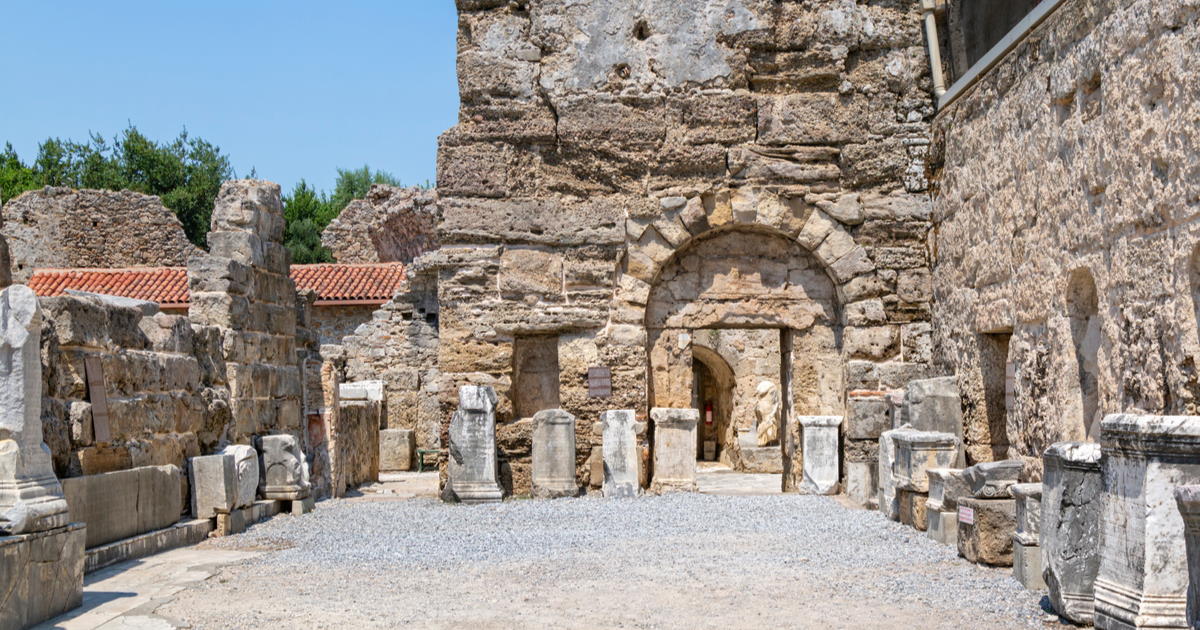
[[535, 375]]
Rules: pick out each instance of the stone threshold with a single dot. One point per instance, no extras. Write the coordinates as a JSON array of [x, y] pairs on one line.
[[181, 534]]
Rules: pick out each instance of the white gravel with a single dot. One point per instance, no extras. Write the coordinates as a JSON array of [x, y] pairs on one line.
[[682, 561]]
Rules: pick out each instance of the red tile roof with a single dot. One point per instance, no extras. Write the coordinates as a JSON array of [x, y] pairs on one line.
[[334, 283]]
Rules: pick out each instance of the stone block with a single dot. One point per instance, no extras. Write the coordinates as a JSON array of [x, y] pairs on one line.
[[867, 415], [181, 534], [862, 483], [942, 526], [991, 480], [41, 575], [245, 467], [396, 449], [946, 487], [1188, 500], [760, 459], [887, 481], [821, 454], [124, 503], [1029, 512], [985, 529], [1069, 533], [471, 464], [214, 485], [621, 453], [554, 455], [284, 468], [919, 451], [912, 506], [1027, 565], [1143, 576], [933, 404], [674, 449]]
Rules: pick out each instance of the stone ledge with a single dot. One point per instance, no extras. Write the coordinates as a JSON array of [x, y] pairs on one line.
[[181, 534], [41, 575]]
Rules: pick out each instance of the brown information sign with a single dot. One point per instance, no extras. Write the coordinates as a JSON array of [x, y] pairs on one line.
[[98, 396], [599, 382]]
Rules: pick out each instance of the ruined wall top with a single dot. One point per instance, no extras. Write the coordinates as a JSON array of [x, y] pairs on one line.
[[390, 224], [67, 228]]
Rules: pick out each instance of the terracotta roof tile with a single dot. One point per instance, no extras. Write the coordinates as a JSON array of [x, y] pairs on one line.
[[334, 283]]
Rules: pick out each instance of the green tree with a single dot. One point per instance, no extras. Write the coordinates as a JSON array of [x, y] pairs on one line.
[[15, 176], [303, 210], [354, 184]]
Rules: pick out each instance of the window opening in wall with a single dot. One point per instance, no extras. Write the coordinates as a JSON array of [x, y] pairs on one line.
[[535, 375], [1082, 312], [999, 375]]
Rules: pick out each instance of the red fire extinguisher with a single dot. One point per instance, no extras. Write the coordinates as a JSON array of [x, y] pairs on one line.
[[708, 413]]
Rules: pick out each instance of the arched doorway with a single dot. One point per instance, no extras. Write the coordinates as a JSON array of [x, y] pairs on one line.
[[713, 386]]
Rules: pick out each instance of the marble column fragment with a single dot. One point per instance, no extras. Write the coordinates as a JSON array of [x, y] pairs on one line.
[[991, 480], [471, 466], [821, 454], [245, 464], [284, 469], [1027, 554], [620, 453], [674, 449], [31, 498], [554, 455], [1069, 533], [1188, 500], [1143, 577]]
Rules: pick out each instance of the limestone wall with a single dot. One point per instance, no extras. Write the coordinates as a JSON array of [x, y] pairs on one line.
[[389, 225], [1065, 249], [61, 227], [598, 144], [333, 323]]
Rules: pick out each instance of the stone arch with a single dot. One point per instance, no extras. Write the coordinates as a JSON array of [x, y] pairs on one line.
[[1082, 306]]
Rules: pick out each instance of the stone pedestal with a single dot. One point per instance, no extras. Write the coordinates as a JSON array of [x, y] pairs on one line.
[[888, 504], [912, 507], [41, 575], [31, 499], [471, 466], [1143, 577], [942, 526], [1188, 500], [396, 449], [246, 473], [284, 469], [1027, 555], [620, 453], [214, 485], [919, 451], [821, 454], [674, 449], [946, 487], [985, 529], [1069, 533], [991, 480], [554, 455]]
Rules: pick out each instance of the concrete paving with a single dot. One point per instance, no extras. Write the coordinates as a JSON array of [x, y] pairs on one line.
[[713, 478]]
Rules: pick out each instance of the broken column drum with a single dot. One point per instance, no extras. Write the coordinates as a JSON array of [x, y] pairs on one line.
[[674, 449], [1069, 533], [471, 465], [1143, 577], [554, 454], [620, 453], [821, 453], [1027, 554], [284, 469]]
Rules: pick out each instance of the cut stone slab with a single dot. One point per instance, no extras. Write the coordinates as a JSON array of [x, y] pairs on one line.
[[1029, 511], [991, 480], [919, 451], [124, 503], [821, 454], [888, 503], [245, 467], [471, 464], [284, 469], [1027, 565], [236, 521], [942, 526], [867, 415], [674, 449], [396, 449], [1188, 500], [41, 575], [554, 455], [621, 458], [862, 483], [985, 529], [31, 498], [1069, 532], [214, 485], [946, 487], [760, 459], [933, 404], [181, 534], [1143, 577], [913, 509]]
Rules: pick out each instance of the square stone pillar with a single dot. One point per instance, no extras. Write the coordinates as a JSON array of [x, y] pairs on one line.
[[1027, 555], [1188, 500], [214, 484], [821, 454], [554, 455], [674, 449], [946, 487], [1143, 578], [1069, 534], [471, 465], [621, 455], [889, 503]]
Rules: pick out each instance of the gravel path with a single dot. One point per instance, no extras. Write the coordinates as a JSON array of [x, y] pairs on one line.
[[681, 561]]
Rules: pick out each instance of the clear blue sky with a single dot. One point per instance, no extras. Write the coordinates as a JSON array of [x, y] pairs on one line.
[[294, 89]]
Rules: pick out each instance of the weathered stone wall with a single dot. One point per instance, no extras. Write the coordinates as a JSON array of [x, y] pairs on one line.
[[1066, 235], [389, 225], [332, 324], [164, 386], [65, 228], [598, 142]]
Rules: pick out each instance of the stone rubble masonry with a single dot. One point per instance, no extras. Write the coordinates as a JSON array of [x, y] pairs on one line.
[[991, 480], [919, 451], [674, 450], [1143, 577], [390, 224], [213, 484], [1091, 306], [821, 454], [1188, 500], [1027, 555], [1069, 533], [125, 503], [65, 228], [471, 463], [987, 539], [397, 447], [245, 467], [554, 455], [31, 498], [621, 454], [41, 575], [284, 469]]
